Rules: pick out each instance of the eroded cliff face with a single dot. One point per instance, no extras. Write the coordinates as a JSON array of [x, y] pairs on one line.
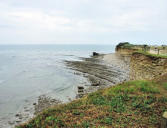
[[145, 67], [125, 51], [143, 64]]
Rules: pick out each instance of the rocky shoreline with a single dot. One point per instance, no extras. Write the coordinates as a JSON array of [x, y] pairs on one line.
[[101, 71], [44, 102], [31, 109]]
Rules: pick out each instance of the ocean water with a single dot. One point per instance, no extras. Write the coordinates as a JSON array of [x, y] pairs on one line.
[[28, 71]]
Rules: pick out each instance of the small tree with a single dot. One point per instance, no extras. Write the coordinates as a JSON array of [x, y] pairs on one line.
[[164, 47], [145, 48]]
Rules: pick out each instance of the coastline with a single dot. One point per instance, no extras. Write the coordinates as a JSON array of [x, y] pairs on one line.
[[103, 70], [113, 97], [100, 71]]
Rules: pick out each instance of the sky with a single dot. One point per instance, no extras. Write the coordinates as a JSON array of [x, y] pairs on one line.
[[83, 21]]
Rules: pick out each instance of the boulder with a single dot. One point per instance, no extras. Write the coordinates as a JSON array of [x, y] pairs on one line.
[[80, 87], [95, 83], [95, 54], [164, 120]]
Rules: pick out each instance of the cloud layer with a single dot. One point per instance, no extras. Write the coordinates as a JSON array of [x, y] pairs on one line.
[[83, 21]]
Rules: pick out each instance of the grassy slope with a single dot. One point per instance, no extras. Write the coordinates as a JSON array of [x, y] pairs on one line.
[[131, 104]]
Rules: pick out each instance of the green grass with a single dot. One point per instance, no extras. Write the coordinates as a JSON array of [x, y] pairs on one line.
[[151, 55], [131, 104], [165, 86], [127, 45]]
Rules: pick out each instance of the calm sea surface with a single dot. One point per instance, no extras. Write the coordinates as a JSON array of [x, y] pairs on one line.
[[28, 71]]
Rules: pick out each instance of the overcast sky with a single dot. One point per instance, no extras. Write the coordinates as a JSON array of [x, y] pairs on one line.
[[83, 21]]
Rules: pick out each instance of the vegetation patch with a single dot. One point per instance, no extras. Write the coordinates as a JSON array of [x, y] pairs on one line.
[[126, 45], [138, 104], [151, 55], [165, 86]]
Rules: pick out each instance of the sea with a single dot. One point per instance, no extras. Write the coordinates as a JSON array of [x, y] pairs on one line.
[[29, 71]]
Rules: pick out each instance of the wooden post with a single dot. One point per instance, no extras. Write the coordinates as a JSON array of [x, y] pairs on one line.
[[164, 120], [158, 51]]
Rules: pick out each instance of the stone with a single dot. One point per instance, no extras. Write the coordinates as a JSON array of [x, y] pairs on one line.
[[20, 117], [70, 99], [17, 115], [11, 122], [80, 87], [77, 73], [80, 90], [95, 84], [164, 120], [18, 121], [95, 54], [165, 115], [80, 95], [26, 110]]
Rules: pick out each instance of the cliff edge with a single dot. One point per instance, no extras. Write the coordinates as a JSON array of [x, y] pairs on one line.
[[143, 64]]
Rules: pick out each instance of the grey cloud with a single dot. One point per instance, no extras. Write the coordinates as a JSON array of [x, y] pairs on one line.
[[83, 20]]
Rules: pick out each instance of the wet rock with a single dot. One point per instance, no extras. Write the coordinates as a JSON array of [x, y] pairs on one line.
[[99, 72], [18, 121], [80, 87], [11, 122], [44, 102], [26, 110], [77, 73], [17, 115], [80, 95], [95, 54], [95, 84], [20, 117], [70, 99], [80, 91]]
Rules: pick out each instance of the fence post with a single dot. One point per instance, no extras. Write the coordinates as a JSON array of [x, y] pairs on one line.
[[164, 120]]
